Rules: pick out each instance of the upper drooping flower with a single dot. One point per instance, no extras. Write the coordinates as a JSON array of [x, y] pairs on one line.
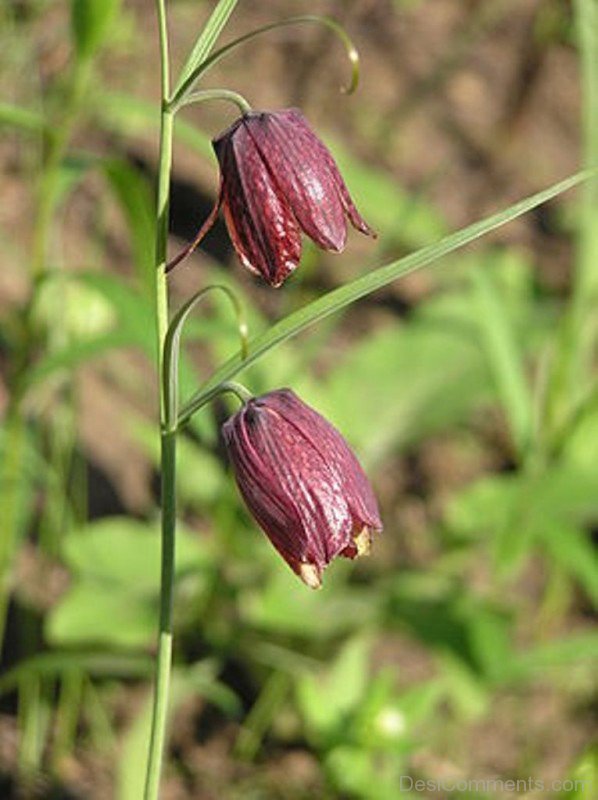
[[301, 482], [278, 179]]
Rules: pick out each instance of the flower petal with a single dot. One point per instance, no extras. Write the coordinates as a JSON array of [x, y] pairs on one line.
[[335, 452], [274, 511], [321, 152], [293, 155], [261, 225], [305, 477]]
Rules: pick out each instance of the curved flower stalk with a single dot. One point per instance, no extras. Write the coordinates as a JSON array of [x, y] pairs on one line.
[[301, 482], [278, 179]]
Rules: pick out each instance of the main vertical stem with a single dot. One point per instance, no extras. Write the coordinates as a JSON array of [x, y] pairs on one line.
[[160, 710], [168, 437]]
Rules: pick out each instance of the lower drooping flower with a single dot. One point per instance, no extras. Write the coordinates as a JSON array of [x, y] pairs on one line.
[[301, 482], [277, 180]]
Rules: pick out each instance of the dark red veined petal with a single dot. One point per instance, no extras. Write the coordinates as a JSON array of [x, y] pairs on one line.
[[321, 152], [261, 225], [335, 451], [305, 476], [290, 150], [273, 510]]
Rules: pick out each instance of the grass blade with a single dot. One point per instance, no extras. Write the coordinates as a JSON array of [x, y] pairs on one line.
[[207, 39], [504, 358], [23, 118], [339, 298], [132, 192]]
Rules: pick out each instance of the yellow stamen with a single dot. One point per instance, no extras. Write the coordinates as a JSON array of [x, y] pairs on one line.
[[363, 542]]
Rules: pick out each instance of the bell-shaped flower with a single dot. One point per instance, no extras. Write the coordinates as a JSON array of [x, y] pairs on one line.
[[301, 482], [277, 180]]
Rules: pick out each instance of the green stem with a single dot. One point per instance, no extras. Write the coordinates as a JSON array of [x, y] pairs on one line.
[[210, 394], [163, 666], [212, 94], [168, 438]]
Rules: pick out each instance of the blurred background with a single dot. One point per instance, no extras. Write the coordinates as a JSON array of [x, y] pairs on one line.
[[465, 647]]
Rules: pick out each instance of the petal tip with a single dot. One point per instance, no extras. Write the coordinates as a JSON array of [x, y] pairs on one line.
[[358, 222], [310, 575]]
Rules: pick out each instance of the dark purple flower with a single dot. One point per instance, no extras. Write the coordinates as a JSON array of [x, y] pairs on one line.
[[278, 179], [301, 482]]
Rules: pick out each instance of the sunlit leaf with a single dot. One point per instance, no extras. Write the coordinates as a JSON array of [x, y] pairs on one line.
[[99, 614], [283, 605], [326, 699], [124, 552], [114, 595]]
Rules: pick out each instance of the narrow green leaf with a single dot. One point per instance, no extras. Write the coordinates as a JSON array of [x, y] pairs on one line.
[[206, 39], [573, 550], [571, 376], [262, 716], [133, 193], [17, 484], [90, 21], [504, 357], [97, 663], [339, 298], [561, 653], [22, 118]]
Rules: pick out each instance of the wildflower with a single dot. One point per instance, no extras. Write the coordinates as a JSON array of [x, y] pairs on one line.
[[278, 179], [301, 482]]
